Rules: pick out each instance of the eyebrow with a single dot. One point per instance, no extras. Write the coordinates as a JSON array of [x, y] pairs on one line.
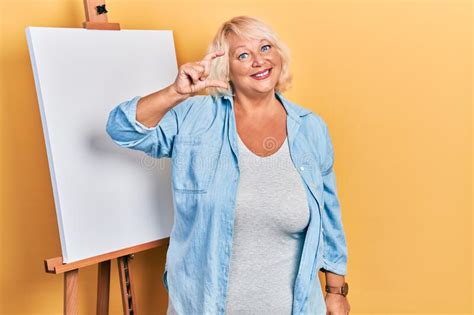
[[263, 39]]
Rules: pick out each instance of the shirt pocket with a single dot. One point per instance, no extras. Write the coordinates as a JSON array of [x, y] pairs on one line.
[[194, 163]]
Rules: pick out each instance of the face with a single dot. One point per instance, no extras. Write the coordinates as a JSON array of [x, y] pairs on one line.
[[254, 65]]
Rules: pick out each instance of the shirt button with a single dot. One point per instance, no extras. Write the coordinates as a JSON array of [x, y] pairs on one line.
[[302, 168]]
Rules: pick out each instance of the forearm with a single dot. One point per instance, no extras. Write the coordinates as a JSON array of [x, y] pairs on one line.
[[334, 280], [151, 108]]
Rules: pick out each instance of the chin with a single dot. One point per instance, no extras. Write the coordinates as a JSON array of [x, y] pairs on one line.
[[259, 88], [263, 90]]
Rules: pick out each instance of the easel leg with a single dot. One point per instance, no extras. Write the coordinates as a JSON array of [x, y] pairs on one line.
[[103, 288], [126, 285], [70, 292]]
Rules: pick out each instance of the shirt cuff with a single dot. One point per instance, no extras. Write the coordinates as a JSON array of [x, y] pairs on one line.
[[339, 269]]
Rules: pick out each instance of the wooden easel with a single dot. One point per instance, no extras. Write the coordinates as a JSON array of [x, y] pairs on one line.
[[71, 278], [96, 18]]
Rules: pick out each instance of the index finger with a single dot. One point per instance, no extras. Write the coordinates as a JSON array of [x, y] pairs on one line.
[[213, 55]]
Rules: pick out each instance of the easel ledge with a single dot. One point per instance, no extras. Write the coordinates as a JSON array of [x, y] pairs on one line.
[[56, 265], [71, 278]]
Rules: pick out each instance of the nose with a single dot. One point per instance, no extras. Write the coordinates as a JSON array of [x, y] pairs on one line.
[[258, 61]]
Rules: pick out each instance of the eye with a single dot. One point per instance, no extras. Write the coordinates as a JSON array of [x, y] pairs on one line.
[[266, 47], [241, 56]]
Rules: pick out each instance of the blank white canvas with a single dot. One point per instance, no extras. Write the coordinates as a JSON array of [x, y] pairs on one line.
[[107, 197]]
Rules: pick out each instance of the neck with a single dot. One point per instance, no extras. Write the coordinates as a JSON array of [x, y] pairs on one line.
[[254, 104]]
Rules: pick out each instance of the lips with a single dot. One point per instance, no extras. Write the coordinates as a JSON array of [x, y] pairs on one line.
[[262, 74]]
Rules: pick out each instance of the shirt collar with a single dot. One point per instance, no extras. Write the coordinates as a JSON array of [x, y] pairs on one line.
[[293, 110]]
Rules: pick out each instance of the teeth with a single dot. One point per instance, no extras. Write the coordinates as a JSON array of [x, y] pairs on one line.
[[262, 74]]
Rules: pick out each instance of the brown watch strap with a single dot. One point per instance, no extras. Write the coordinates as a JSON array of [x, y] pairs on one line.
[[344, 290]]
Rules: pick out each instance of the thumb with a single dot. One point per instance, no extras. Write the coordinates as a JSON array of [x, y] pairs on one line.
[[216, 83]]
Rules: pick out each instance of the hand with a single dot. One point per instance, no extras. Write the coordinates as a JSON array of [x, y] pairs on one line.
[[337, 304], [192, 77]]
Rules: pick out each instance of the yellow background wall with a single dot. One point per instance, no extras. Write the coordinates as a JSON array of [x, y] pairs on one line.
[[393, 80]]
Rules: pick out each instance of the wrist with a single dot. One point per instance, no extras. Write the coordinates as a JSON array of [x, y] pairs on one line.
[[341, 290], [335, 294], [175, 95]]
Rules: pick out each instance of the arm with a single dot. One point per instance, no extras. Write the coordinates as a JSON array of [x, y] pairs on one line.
[[335, 248], [151, 108], [148, 123]]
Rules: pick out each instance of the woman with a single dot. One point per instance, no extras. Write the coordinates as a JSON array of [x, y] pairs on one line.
[[256, 207]]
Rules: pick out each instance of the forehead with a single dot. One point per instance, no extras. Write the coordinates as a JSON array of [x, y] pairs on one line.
[[236, 41]]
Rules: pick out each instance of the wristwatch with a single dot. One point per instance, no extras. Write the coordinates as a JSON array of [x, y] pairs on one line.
[[344, 290]]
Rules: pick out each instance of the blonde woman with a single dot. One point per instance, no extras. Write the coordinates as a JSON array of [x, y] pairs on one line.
[[256, 209]]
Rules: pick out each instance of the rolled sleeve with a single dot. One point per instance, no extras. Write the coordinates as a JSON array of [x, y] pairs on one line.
[[127, 132]]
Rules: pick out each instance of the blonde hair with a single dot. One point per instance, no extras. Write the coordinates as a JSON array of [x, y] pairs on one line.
[[251, 28]]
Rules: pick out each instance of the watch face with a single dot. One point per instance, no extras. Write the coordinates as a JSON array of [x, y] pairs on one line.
[[345, 288]]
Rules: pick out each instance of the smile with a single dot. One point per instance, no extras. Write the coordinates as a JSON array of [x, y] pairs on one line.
[[262, 74]]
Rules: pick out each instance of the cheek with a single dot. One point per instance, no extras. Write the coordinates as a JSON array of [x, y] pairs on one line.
[[238, 69], [277, 60], [278, 64]]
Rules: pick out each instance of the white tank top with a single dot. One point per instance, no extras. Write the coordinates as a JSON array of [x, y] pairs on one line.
[[271, 217]]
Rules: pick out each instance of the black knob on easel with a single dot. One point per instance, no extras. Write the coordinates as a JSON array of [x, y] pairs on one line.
[[101, 9]]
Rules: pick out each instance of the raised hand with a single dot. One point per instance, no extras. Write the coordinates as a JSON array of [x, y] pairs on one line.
[[193, 77]]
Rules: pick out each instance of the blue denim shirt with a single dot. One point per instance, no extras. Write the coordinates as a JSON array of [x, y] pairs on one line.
[[200, 136]]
